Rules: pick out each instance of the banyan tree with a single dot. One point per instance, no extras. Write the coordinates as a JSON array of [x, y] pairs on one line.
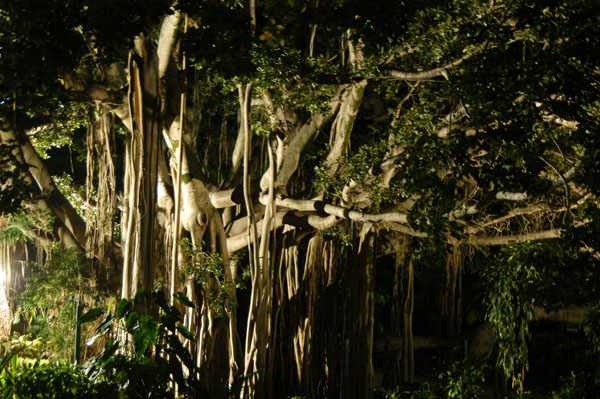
[[262, 157]]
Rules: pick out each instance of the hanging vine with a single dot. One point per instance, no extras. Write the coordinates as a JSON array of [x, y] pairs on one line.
[[101, 193], [451, 293], [512, 280], [408, 347], [401, 246]]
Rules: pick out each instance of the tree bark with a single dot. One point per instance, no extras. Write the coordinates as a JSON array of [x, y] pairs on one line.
[[142, 172], [360, 321], [571, 314]]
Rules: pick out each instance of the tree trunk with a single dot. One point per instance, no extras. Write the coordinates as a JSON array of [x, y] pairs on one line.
[[360, 320], [393, 375], [142, 170], [309, 314]]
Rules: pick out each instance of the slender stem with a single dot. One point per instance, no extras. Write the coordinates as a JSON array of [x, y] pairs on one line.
[[177, 228]]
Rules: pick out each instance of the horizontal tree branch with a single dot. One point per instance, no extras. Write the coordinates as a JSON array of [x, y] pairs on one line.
[[534, 209], [404, 229], [395, 344], [571, 314], [429, 74], [291, 218], [514, 238], [323, 207], [97, 93], [510, 196]]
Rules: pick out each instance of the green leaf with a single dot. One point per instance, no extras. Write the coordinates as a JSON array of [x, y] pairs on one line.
[[149, 362], [105, 325], [132, 319], [110, 348], [6, 359], [90, 315], [110, 305], [184, 300], [142, 347], [183, 330], [140, 343], [91, 341], [8, 392], [140, 295], [149, 328], [17, 318], [123, 307]]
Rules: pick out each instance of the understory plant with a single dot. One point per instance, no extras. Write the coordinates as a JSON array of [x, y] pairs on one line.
[[53, 291], [143, 355], [52, 380], [461, 380], [27, 373], [584, 378]]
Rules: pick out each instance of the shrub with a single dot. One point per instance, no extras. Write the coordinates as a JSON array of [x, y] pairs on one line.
[[26, 378]]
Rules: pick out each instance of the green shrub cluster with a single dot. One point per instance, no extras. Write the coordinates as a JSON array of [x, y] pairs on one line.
[[461, 380], [143, 357]]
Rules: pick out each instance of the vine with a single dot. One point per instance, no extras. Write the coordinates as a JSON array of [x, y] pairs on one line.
[[512, 279], [205, 266]]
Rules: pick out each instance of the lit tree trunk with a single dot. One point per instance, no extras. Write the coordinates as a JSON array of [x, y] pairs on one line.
[[141, 170], [13, 261]]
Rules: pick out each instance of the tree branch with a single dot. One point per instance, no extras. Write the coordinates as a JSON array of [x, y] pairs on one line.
[[305, 135], [344, 213], [509, 196], [512, 239], [571, 314], [52, 196], [166, 41], [344, 122], [97, 92], [289, 217], [429, 74]]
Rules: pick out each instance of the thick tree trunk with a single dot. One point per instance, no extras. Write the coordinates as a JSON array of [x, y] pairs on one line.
[[13, 261], [360, 319], [393, 374], [144, 150], [571, 314], [309, 312]]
